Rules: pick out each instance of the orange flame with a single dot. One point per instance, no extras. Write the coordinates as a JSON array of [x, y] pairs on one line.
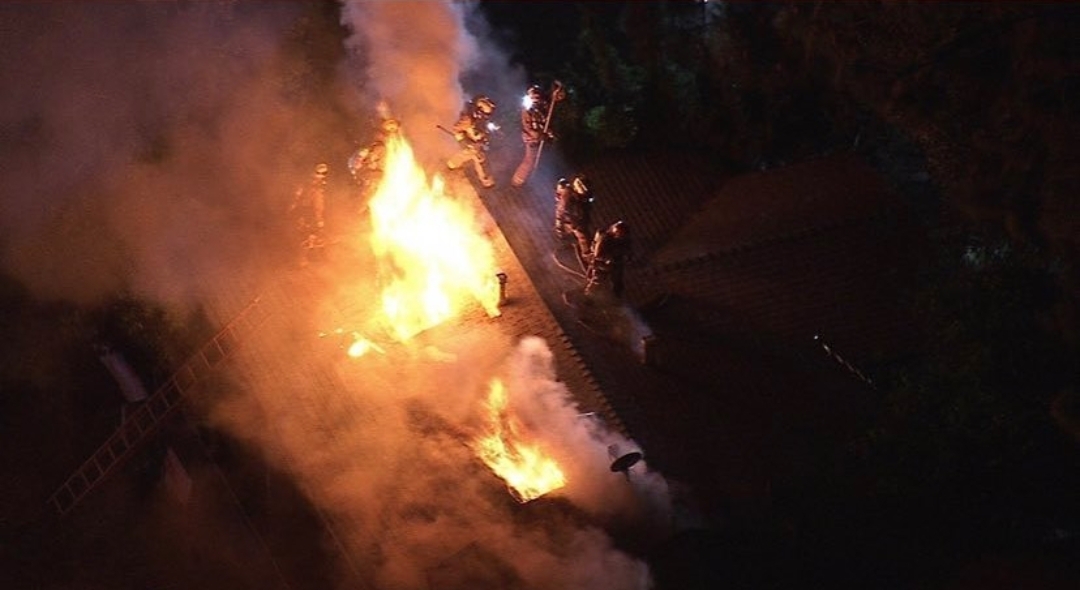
[[361, 346], [528, 473], [434, 256]]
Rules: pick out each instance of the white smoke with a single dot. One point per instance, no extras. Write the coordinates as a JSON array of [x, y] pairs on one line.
[[415, 56], [161, 161], [147, 145], [394, 468], [584, 445], [411, 55], [392, 465]]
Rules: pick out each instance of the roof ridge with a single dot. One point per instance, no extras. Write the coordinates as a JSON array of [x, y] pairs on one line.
[[749, 245]]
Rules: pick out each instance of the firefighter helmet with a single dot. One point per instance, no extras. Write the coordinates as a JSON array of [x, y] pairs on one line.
[[321, 169], [562, 185], [534, 98], [619, 229], [484, 105]]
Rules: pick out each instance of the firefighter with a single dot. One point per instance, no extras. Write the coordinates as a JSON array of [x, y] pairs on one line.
[[473, 133], [573, 214], [367, 164], [536, 110], [308, 206], [607, 262]]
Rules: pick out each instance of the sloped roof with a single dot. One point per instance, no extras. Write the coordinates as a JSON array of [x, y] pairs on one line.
[[734, 276], [818, 248], [765, 206]]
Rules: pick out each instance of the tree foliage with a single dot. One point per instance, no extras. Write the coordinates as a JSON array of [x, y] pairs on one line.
[[605, 92], [972, 105]]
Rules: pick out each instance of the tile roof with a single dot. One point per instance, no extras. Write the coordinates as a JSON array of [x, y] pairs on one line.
[[734, 276], [724, 264], [816, 248], [712, 408]]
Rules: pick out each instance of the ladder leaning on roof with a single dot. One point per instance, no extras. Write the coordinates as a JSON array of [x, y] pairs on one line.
[[144, 421]]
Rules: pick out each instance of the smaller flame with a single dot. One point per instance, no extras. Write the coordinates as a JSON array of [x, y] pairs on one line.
[[528, 473], [362, 346], [358, 345]]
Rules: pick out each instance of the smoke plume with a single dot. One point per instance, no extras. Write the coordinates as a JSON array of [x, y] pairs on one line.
[[153, 148], [149, 147], [395, 471], [425, 59], [392, 466]]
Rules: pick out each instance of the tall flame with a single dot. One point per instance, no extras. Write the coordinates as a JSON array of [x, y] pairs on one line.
[[435, 260], [528, 473]]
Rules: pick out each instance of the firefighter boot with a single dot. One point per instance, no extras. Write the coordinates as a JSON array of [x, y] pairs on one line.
[[482, 174]]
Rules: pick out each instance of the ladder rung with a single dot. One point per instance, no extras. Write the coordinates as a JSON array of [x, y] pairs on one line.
[[94, 469], [148, 415], [144, 418], [117, 445], [107, 451], [227, 341], [198, 363], [159, 405], [185, 377], [63, 497], [132, 432], [175, 385], [213, 353], [171, 393], [77, 484]]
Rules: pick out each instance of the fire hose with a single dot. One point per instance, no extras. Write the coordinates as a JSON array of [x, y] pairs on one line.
[[448, 132]]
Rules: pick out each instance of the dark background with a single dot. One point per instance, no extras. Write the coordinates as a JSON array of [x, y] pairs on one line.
[[970, 461], [965, 473]]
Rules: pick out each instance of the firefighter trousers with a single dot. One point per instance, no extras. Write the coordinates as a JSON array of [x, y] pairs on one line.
[[528, 162], [476, 156]]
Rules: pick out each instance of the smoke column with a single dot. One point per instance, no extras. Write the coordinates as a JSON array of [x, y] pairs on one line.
[[390, 462], [391, 466], [152, 148], [148, 146], [410, 54], [414, 55]]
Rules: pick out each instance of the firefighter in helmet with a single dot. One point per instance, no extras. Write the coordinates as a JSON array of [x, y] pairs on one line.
[[473, 133], [573, 214], [366, 165], [607, 263], [308, 206], [536, 109]]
